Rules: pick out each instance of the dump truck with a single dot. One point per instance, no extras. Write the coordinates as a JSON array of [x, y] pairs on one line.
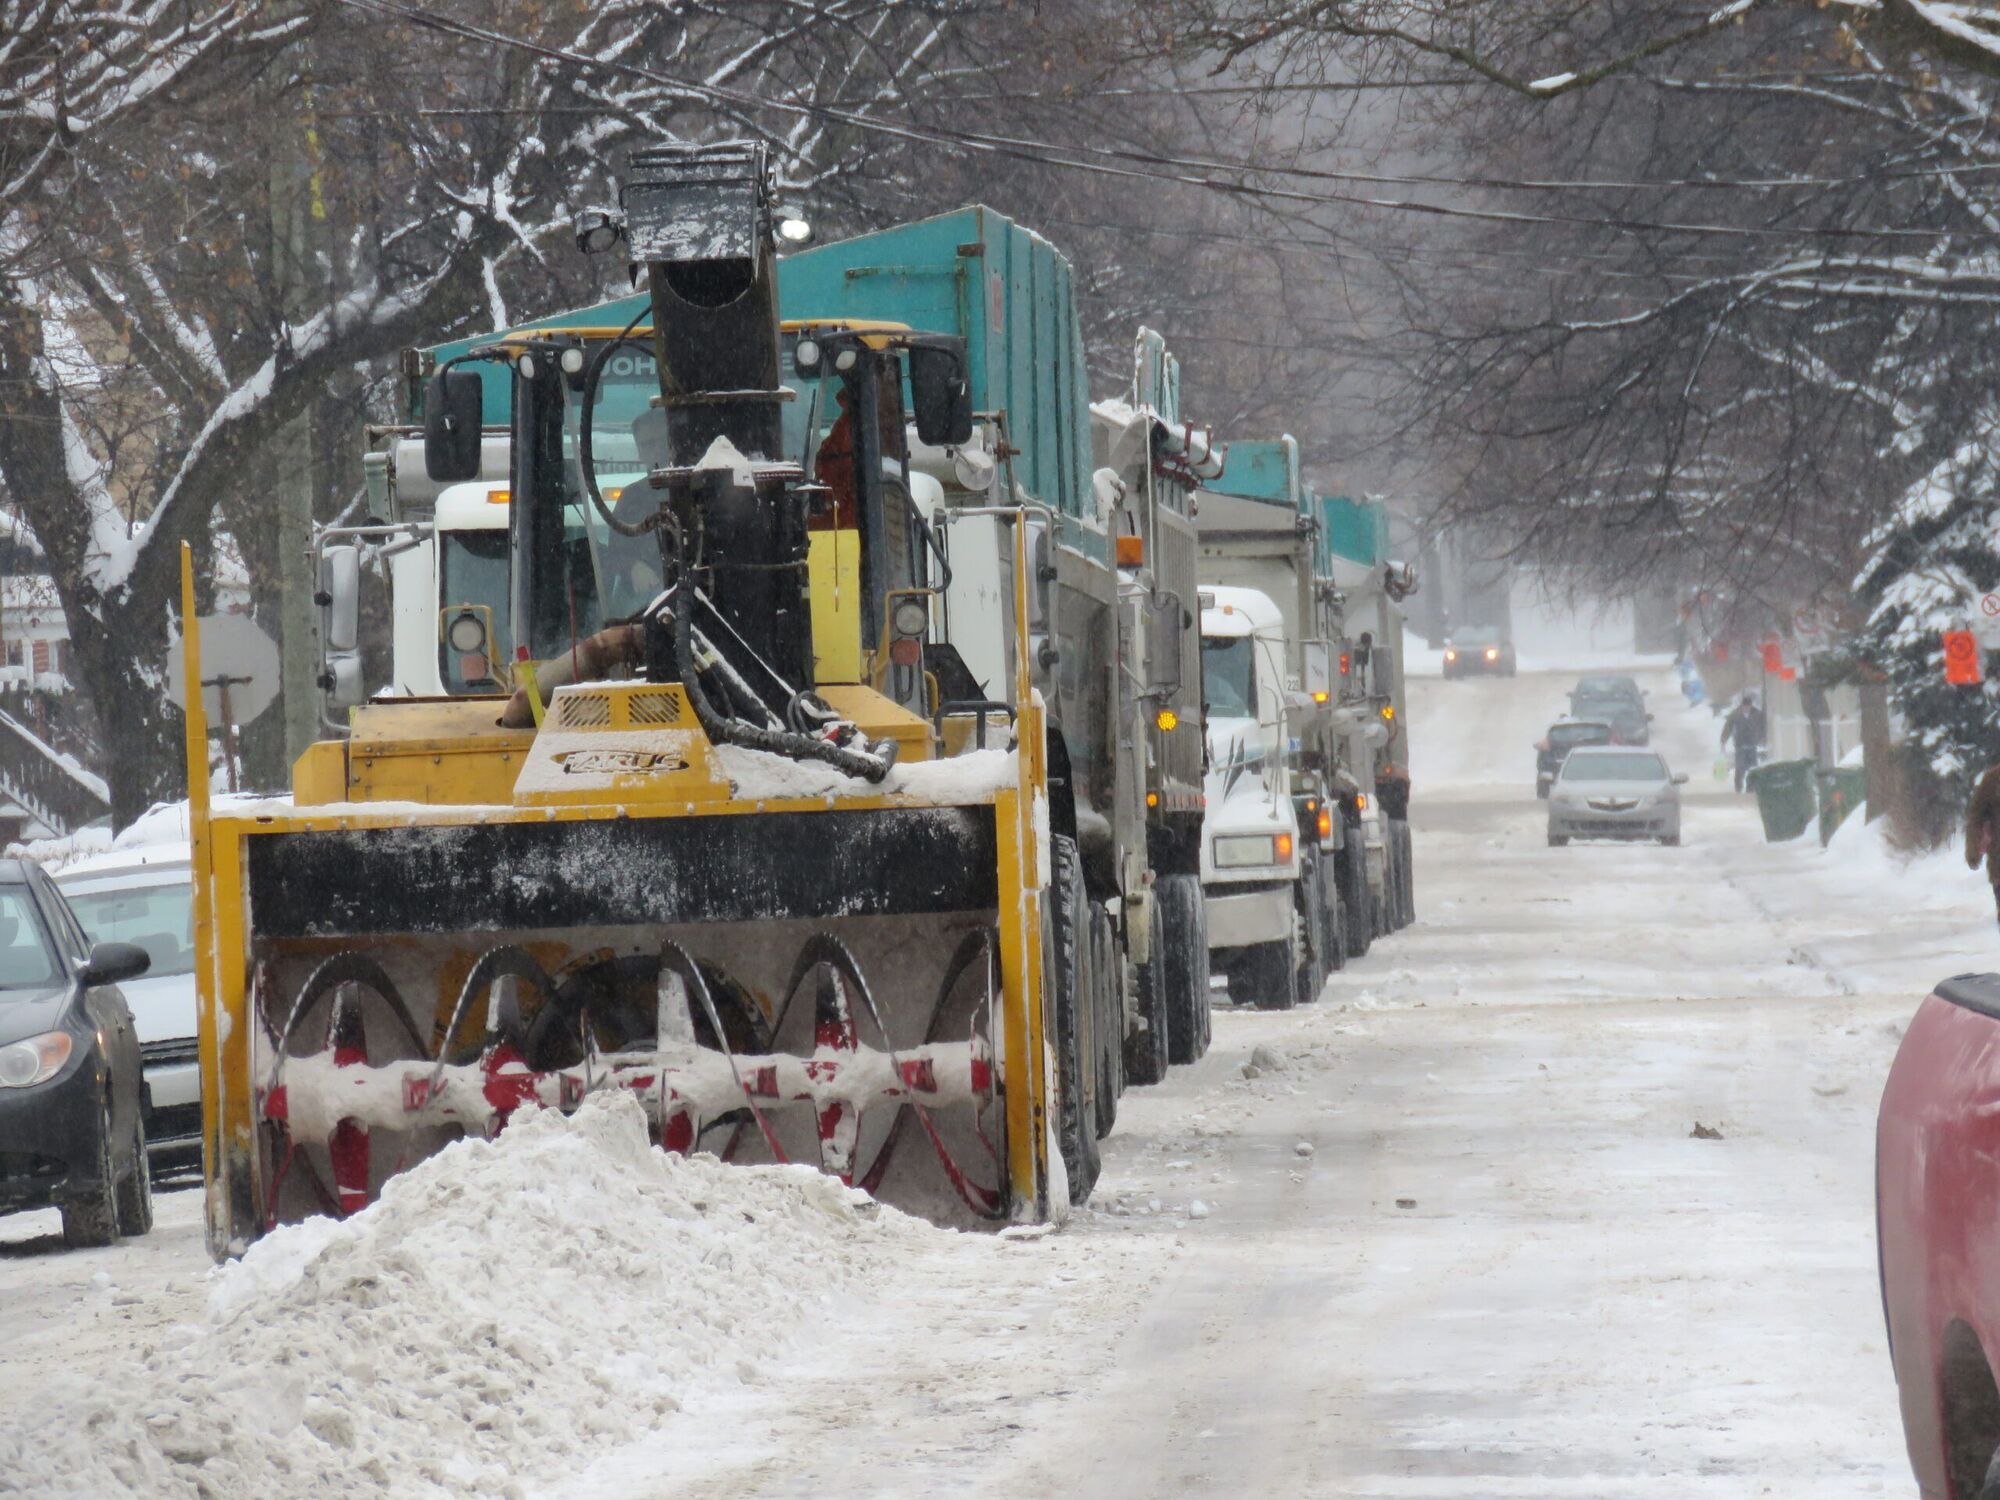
[[700, 850], [1262, 529], [1150, 461]]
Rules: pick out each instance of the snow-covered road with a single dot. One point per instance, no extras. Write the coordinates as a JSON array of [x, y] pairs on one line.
[[1458, 1240]]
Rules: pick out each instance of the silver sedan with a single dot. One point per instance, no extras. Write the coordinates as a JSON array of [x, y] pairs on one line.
[[1615, 792]]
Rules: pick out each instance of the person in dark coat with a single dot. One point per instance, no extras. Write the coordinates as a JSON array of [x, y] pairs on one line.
[[1745, 728], [1982, 830]]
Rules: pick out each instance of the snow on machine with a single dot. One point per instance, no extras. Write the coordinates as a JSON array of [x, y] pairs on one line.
[[720, 842]]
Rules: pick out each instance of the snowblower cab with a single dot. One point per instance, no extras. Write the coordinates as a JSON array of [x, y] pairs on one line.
[[714, 851]]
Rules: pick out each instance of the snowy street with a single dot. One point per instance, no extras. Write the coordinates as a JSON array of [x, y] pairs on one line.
[[1455, 1237]]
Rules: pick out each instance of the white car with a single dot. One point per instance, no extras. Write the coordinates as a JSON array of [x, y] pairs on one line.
[[145, 896]]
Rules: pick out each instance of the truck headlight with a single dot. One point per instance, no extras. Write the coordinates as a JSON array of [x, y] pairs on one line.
[[37, 1060], [1234, 851]]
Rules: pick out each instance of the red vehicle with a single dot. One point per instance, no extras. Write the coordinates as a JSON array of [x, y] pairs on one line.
[[1937, 1209]]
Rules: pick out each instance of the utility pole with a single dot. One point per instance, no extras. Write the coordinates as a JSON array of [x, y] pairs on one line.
[[298, 234]]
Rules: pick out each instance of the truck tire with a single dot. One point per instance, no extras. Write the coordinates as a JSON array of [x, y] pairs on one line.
[[1180, 937], [1146, 1049], [1069, 988], [1309, 904], [1110, 1028], [1355, 894], [1268, 975], [1333, 913]]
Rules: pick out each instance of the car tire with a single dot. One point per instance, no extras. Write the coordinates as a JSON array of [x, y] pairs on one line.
[[1184, 967], [135, 1193], [1558, 841], [91, 1221], [1068, 972], [1541, 789], [1670, 840]]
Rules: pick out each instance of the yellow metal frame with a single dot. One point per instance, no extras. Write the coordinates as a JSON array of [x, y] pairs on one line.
[[234, 1177]]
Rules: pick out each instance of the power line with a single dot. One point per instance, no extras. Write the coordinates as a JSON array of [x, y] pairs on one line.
[[1143, 166]]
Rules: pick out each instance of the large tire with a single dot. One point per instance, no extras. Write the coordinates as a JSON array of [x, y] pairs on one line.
[[1146, 1047], [1069, 985], [1309, 904], [1110, 1027], [91, 1221], [1405, 887], [1359, 900], [1180, 935], [1269, 975], [1333, 914], [135, 1192]]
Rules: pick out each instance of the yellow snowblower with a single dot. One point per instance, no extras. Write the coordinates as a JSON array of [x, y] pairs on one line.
[[796, 918]]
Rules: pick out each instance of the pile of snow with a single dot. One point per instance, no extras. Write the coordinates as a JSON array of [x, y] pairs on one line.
[[1860, 853], [161, 832], [506, 1312]]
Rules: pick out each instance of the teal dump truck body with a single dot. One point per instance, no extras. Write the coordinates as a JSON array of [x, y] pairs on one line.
[[1261, 469], [973, 272], [1357, 530]]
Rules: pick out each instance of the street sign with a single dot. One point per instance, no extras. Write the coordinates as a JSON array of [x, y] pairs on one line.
[[237, 655], [1962, 666]]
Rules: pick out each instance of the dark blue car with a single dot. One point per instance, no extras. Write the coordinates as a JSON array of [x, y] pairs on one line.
[[72, 1123]]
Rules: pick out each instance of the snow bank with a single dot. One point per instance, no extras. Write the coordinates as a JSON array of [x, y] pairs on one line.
[[1860, 852], [506, 1312]]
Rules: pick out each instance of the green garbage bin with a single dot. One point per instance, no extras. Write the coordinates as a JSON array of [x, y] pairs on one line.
[[1784, 790], [1841, 790]]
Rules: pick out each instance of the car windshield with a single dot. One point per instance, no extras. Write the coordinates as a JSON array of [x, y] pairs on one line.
[[1229, 676], [1607, 687], [158, 918], [1577, 734], [472, 572], [1591, 765], [1477, 635], [25, 959]]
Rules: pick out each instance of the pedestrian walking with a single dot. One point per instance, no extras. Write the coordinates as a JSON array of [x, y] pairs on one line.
[[1982, 829], [1745, 729]]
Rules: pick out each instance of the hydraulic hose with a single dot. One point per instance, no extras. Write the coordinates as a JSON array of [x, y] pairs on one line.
[[731, 731], [593, 374]]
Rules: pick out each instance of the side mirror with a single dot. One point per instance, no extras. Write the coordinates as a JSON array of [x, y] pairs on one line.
[[340, 625], [1165, 617], [453, 406], [1319, 672], [1680, 778], [1649, 718], [111, 963], [1382, 666], [941, 394], [340, 597]]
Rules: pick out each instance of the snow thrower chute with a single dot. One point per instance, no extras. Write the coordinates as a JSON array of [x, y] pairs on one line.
[[797, 919]]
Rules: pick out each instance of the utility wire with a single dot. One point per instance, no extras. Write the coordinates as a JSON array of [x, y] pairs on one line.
[[1142, 166]]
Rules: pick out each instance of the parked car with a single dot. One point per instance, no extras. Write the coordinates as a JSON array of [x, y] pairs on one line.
[[1478, 650], [72, 1130], [1937, 1200], [1615, 792], [1629, 721], [145, 897], [1554, 747]]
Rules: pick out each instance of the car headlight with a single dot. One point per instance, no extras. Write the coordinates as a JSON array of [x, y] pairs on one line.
[[37, 1060], [1234, 851]]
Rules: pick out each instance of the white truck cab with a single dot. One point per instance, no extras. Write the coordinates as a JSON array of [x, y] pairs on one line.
[[1250, 857]]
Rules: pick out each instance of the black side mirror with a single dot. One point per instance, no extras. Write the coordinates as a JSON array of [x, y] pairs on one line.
[[111, 963], [452, 409], [941, 394]]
